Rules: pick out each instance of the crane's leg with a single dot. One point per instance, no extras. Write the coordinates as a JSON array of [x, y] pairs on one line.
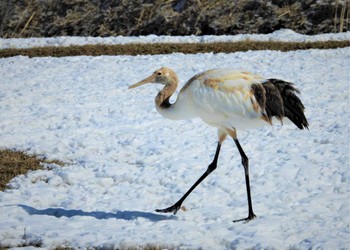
[[245, 164], [174, 208]]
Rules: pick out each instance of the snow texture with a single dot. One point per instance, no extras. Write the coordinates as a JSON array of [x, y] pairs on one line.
[[124, 160], [283, 35]]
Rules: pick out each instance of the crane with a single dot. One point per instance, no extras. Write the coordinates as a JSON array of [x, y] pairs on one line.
[[229, 100]]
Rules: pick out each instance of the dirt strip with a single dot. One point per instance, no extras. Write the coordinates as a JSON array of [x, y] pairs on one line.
[[168, 48]]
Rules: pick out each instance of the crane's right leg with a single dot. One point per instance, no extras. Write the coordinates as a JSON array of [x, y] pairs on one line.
[[245, 164], [174, 208]]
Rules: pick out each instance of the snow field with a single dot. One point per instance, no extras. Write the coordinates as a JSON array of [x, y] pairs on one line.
[[125, 160], [283, 35]]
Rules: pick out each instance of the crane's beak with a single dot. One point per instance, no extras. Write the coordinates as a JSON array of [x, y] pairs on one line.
[[149, 79]]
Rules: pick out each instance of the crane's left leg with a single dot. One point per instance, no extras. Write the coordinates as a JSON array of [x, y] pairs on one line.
[[212, 166], [174, 208], [245, 164]]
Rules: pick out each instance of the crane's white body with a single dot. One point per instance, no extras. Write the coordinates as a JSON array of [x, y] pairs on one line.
[[222, 98]]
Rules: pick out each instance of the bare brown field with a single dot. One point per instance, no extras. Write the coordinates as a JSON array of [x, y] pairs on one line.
[[167, 48]]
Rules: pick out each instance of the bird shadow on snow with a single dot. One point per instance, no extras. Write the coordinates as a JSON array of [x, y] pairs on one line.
[[120, 215]]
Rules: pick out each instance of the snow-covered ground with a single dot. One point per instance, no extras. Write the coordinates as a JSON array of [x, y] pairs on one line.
[[124, 160], [284, 35]]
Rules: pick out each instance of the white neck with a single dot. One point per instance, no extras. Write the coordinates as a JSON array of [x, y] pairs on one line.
[[179, 110]]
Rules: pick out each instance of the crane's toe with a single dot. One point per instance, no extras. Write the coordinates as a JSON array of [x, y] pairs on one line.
[[173, 209], [249, 218]]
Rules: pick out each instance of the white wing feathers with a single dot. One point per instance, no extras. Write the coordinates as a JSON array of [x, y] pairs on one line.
[[225, 96]]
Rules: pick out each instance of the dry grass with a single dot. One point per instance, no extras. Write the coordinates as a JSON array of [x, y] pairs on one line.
[[37, 18], [13, 163], [167, 48], [341, 15]]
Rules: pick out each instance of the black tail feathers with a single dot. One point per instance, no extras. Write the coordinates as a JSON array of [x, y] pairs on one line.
[[283, 94]]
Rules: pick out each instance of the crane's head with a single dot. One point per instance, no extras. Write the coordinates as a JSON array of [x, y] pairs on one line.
[[163, 76]]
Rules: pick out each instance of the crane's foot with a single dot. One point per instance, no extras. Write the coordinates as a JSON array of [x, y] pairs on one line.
[[249, 218], [173, 209]]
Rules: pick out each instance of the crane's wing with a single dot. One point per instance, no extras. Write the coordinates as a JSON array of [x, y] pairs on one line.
[[224, 95]]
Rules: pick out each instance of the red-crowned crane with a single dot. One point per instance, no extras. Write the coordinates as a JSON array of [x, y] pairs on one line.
[[228, 100]]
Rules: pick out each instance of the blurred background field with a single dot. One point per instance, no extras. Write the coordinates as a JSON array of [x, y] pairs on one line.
[[49, 18]]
